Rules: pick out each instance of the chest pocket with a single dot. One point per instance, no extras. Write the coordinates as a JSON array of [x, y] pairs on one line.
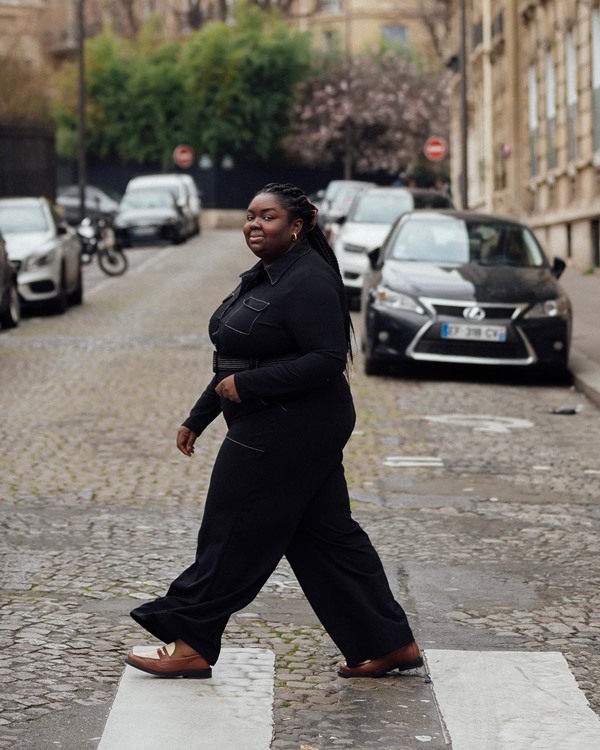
[[245, 315]]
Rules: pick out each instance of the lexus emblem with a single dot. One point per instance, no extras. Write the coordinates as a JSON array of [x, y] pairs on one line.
[[474, 313]]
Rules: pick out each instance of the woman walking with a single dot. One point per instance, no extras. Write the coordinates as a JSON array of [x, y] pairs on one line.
[[282, 341]]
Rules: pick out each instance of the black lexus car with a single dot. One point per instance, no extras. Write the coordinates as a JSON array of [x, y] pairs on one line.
[[466, 288]]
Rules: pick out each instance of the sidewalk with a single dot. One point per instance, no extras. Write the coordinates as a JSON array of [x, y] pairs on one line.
[[584, 292]]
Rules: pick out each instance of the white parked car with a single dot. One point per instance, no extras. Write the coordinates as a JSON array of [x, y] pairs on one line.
[[183, 188], [369, 220], [45, 251]]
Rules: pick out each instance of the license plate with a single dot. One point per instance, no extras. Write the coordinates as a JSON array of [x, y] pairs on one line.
[[468, 332], [144, 231]]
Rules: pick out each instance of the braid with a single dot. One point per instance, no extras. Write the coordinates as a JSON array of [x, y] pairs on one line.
[[298, 206]]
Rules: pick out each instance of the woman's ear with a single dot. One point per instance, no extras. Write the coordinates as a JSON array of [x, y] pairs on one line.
[[297, 226]]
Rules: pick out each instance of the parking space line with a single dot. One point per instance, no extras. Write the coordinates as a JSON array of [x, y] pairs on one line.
[[232, 710], [505, 700]]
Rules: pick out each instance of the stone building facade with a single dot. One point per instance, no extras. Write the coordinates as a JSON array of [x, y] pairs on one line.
[[354, 26], [532, 117]]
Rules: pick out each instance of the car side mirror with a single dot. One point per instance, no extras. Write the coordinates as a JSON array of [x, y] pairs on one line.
[[341, 220], [558, 266], [62, 228], [374, 257]]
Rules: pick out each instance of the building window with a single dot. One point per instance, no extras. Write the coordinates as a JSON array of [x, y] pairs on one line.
[[550, 111], [571, 92], [533, 121], [331, 6], [596, 75], [398, 34]]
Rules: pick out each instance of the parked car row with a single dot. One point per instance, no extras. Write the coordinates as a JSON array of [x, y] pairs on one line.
[[439, 285], [41, 252], [154, 208]]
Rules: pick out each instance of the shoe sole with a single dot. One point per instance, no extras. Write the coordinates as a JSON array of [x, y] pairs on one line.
[[404, 666], [192, 674]]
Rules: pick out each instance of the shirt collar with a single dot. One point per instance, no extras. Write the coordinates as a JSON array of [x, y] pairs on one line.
[[277, 269]]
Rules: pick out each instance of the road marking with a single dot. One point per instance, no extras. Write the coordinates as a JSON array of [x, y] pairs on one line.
[[503, 700], [405, 462], [482, 422], [232, 710]]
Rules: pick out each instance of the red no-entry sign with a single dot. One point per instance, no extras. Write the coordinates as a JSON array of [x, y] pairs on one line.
[[435, 148], [183, 156]]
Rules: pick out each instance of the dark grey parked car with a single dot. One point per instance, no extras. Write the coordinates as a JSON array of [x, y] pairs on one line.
[[99, 204], [10, 306], [467, 288]]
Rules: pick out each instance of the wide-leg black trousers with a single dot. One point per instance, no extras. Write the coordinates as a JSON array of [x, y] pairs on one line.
[[278, 488]]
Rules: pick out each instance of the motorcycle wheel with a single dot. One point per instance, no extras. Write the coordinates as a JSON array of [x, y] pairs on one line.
[[113, 262]]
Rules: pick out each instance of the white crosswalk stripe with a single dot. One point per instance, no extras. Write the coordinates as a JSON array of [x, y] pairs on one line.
[[228, 712], [503, 700]]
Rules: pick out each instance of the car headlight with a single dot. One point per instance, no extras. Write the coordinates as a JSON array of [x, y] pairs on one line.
[[41, 259], [550, 308], [397, 301]]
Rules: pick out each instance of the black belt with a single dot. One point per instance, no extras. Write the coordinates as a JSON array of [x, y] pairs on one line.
[[236, 364]]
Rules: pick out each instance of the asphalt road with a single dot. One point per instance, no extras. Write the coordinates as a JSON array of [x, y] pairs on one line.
[[482, 503]]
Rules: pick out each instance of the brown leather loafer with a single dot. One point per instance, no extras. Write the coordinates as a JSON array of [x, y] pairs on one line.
[[161, 664], [402, 659]]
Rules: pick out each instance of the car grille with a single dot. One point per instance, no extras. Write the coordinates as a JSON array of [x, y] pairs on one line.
[[492, 312], [429, 344], [477, 349]]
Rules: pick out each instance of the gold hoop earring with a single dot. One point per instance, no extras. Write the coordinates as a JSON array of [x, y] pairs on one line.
[[294, 236]]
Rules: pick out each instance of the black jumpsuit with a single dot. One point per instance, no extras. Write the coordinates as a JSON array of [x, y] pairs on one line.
[[277, 487]]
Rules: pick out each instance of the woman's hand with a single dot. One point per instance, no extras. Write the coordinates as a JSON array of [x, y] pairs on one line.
[[185, 440], [227, 389]]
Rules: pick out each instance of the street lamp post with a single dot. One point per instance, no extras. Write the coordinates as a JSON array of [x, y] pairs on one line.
[[81, 107], [464, 125]]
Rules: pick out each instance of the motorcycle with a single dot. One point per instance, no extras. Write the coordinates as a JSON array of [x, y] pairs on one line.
[[97, 237]]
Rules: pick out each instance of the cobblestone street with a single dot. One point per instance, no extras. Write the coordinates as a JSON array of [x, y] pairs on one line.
[[482, 503]]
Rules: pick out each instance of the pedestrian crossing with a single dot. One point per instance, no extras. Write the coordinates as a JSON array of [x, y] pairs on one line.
[[487, 700]]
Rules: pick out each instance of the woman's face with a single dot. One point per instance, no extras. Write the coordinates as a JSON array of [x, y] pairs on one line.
[[268, 230]]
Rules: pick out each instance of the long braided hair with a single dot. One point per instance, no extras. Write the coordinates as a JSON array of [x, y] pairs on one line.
[[298, 206]]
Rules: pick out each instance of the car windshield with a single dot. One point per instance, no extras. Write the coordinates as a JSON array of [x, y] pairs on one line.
[[147, 199], [381, 208], [15, 219], [452, 240]]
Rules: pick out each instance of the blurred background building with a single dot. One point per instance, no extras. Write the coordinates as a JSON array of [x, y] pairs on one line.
[[532, 116]]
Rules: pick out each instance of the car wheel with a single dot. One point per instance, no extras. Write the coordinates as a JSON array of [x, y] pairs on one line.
[[60, 303], [76, 296], [10, 317]]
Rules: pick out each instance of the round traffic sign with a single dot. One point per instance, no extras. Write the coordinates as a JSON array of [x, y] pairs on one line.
[[183, 156], [435, 148]]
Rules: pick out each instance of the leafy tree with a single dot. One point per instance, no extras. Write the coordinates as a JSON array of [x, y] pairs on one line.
[[241, 80], [373, 112], [225, 90]]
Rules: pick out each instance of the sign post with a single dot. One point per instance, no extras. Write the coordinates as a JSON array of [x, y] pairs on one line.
[[435, 149]]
